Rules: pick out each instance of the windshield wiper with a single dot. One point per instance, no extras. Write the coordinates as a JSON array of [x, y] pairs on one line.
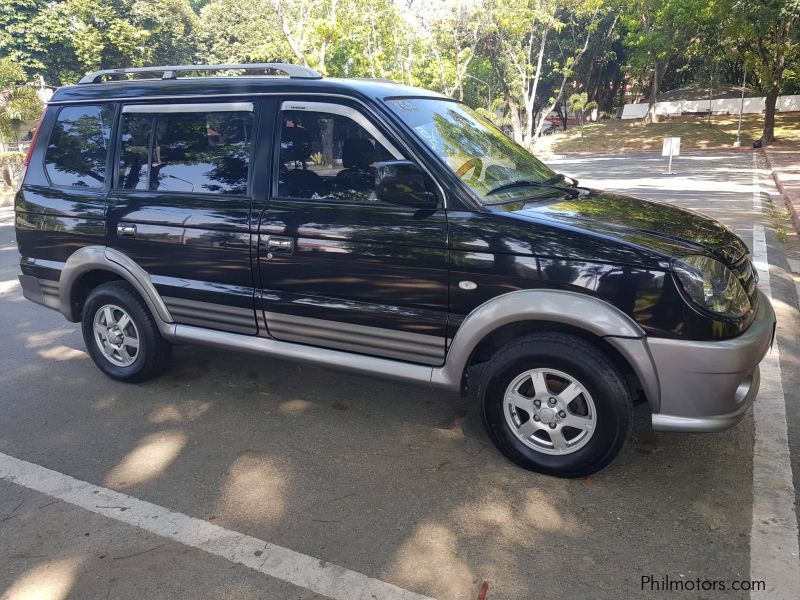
[[559, 177], [525, 183]]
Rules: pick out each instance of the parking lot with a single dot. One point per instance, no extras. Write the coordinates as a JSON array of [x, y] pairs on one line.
[[393, 490]]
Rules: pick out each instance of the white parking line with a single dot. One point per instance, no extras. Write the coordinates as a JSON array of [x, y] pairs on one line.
[[774, 554], [281, 563]]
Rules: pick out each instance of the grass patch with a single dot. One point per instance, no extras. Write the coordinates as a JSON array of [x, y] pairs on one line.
[[617, 135], [780, 220]]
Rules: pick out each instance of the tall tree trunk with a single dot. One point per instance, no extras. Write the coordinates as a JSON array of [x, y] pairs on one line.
[[530, 116], [654, 93], [516, 124], [560, 94], [768, 134]]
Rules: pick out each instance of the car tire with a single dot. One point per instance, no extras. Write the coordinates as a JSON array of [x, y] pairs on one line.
[[121, 334], [584, 410]]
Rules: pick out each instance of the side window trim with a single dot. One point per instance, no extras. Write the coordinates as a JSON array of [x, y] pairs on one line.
[[194, 107], [343, 110]]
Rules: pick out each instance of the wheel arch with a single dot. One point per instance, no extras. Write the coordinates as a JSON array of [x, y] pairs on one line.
[[91, 266], [506, 317]]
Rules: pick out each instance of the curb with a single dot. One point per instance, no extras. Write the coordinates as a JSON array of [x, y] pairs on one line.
[[792, 202], [614, 152]]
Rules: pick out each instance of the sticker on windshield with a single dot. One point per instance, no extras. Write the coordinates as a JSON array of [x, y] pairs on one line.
[[404, 105]]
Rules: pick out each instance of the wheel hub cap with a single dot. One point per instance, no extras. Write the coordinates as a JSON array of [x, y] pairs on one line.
[[116, 335], [547, 415], [550, 411]]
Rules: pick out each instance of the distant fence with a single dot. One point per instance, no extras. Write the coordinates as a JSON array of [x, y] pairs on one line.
[[720, 106]]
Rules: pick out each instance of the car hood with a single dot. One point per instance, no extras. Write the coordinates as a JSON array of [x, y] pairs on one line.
[[655, 225]]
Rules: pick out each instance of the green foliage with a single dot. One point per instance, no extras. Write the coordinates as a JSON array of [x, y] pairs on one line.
[[250, 31], [14, 158], [519, 60], [580, 103], [18, 102], [170, 25], [11, 73]]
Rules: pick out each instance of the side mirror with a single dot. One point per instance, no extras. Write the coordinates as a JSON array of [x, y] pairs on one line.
[[402, 182]]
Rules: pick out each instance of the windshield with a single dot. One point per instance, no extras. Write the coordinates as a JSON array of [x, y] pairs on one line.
[[488, 161]]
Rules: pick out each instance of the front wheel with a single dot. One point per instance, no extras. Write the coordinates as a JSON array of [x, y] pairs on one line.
[[555, 404], [121, 335]]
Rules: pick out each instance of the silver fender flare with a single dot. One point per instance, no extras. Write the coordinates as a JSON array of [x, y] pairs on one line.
[[101, 258], [557, 306]]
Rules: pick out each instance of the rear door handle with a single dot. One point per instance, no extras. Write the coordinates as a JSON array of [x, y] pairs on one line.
[[126, 230], [277, 245], [280, 244]]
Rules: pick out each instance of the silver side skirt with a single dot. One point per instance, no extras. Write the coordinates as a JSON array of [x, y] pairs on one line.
[[375, 341], [355, 363]]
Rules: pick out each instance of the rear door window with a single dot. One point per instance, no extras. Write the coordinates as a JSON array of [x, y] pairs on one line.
[[192, 148], [78, 148]]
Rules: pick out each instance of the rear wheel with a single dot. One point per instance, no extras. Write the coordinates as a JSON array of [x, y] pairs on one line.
[[555, 404], [121, 335]]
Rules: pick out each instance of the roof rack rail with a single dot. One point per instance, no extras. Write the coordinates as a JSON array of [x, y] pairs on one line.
[[293, 71]]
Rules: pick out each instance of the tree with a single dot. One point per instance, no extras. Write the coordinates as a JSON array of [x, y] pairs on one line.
[[766, 32], [250, 33], [579, 103], [658, 31], [455, 29], [536, 45], [170, 25], [18, 102]]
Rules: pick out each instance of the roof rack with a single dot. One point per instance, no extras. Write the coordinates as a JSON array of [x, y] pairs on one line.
[[292, 71]]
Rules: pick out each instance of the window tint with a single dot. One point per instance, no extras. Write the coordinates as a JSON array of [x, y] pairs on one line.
[[201, 152], [325, 155], [135, 138], [78, 148], [195, 151]]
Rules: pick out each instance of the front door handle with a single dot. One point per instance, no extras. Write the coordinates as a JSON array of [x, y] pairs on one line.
[[126, 230]]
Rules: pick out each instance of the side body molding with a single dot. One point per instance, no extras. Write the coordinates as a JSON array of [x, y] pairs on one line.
[[556, 306], [92, 258]]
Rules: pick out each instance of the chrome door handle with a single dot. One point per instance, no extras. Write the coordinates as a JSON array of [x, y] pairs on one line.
[[276, 245], [126, 230], [280, 244]]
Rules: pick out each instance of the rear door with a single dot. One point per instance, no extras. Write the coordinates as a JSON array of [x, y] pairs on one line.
[[339, 268], [181, 206]]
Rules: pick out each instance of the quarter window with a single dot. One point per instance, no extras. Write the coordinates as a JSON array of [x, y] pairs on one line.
[[193, 151], [325, 155], [78, 149]]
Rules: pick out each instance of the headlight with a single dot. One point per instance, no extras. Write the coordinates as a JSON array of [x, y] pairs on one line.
[[712, 286]]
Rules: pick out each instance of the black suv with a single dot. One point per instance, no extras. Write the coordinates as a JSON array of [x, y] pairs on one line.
[[389, 230]]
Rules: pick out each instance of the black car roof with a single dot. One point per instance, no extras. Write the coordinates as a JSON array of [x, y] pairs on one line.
[[202, 87]]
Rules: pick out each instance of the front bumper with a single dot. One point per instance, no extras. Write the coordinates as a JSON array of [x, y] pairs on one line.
[[709, 386]]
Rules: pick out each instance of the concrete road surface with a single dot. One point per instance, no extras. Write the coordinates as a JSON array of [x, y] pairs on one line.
[[234, 476]]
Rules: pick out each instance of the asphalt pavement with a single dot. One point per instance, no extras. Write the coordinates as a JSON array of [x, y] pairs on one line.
[[235, 476]]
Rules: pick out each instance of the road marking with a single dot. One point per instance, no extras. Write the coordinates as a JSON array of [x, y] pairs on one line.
[[774, 553], [275, 561]]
